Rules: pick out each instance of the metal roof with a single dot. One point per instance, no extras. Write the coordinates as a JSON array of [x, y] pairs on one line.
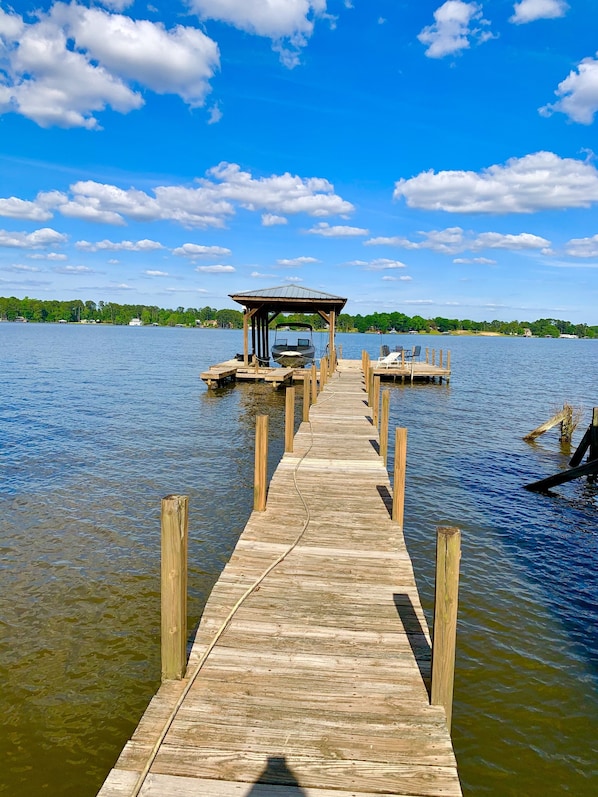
[[288, 292]]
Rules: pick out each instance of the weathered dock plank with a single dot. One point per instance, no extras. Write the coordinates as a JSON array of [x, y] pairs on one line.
[[318, 685]]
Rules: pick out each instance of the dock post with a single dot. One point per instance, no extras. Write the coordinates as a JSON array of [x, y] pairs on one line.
[[444, 639], [306, 394], [448, 366], [314, 383], [593, 449], [340, 352], [440, 358], [427, 356], [433, 356], [376, 396], [384, 425], [173, 597], [398, 491], [289, 419], [261, 463]]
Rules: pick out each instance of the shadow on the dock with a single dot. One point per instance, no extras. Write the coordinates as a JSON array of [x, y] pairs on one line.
[[415, 634], [278, 773], [386, 497], [375, 445]]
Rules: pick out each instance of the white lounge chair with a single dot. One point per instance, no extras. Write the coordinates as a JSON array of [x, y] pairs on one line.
[[392, 359]]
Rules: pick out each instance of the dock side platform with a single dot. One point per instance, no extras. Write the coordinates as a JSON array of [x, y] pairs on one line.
[[318, 685]]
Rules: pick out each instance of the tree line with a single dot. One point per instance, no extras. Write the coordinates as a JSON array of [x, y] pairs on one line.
[[76, 310]]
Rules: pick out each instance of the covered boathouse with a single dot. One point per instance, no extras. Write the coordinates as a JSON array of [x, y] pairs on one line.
[[263, 306]]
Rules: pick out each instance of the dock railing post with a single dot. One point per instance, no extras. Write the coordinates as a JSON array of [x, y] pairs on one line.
[[384, 425], [376, 394], [398, 492], [440, 358], [444, 639], [314, 383], [289, 419], [261, 463], [306, 394], [173, 594]]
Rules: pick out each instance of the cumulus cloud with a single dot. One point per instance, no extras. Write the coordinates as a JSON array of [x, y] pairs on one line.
[[74, 270], [53, 83], [540, 181], [337, 231], [23, 267], [288, 23], [271, 220], [384, 264], [582, 247], [530, 10], [154, 273], [39, 239], [215, 269], [15, 208], [145, 245], [453, 240], [402, 278], [578, 93], [482, 261], [196, 250], [296, 261], [455, 25], [47, 256], [208, 203]]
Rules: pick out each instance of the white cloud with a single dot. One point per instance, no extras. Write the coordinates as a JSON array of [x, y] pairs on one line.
[[259, 275], [145, 245], [196, 250], [582, 247], [539, 181], [52, 82], [293, 279], [403, 278], [452, 29], [579, 94], [482, 261], [296, 261], [15, 208], [271, 220], [530, 10], [338, 231], [289, 23], [74, 270], [453, 240], [39, 239], [383, 264], [47, 256], [153, 273], [208, 204], [22, 267], [214, 114], [215, 269]]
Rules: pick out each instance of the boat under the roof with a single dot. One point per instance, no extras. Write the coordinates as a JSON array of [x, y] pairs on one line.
[[297, 353]]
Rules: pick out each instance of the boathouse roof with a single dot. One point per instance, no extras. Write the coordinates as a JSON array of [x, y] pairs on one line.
[[290, 298]]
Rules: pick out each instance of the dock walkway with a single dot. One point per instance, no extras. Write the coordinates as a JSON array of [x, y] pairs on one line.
[[318, 685]]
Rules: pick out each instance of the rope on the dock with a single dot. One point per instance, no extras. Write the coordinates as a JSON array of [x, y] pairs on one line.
[[203, 658]]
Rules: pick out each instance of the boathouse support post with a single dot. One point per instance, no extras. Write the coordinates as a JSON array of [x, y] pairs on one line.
[[444, 639], [384, 425], [289, 420], [306, 395], [261, 463], [398, 492], [174, 528]]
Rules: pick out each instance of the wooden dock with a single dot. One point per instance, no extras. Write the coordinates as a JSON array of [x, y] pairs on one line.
[[317, 686]]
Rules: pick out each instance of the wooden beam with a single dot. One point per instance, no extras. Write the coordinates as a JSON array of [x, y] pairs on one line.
[[588, 469], [174, 522]]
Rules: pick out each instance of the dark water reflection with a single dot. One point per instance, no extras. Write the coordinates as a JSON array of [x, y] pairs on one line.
[[98, 424]]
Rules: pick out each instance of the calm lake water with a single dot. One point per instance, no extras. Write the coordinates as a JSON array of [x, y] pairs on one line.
[[98, 423]]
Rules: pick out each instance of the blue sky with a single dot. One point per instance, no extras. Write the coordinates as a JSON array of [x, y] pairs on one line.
[[432, 158]]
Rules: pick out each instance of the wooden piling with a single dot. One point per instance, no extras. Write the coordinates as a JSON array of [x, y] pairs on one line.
[[384, 425], [444, 640], [314, 383], [289, 419], [398, 492], [376, 399], [261, 463], [174, 523], [306, 395]]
